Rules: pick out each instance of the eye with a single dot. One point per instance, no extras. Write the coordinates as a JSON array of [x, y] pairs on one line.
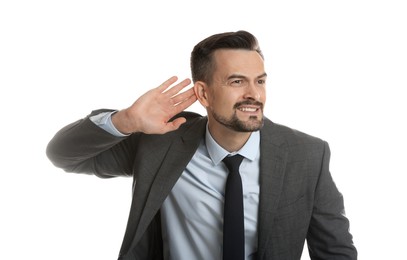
[[237, 82], [261, 81]]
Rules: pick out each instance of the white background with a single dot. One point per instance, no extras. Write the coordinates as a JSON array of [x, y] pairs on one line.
[[337, 71]]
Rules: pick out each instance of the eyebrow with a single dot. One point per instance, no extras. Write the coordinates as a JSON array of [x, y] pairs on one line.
[[262, 75], [238, 76]]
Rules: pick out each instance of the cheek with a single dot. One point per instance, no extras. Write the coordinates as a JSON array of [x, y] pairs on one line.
[[221, 105], [225, 101]]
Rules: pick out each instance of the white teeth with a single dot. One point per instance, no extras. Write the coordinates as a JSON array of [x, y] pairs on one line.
[[248, 109]]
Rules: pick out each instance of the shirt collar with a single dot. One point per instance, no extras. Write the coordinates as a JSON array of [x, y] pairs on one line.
[[217, 153]]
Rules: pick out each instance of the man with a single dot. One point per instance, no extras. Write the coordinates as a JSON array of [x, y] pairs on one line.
[[176, 161]]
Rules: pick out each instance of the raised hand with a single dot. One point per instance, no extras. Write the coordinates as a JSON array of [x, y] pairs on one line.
[[151, 112]]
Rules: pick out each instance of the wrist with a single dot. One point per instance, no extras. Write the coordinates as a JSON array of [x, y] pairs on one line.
[[124, 122]]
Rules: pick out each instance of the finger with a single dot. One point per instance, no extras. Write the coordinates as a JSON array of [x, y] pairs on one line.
[[185, 104], [177, 88], [167, 83], [183, 96]]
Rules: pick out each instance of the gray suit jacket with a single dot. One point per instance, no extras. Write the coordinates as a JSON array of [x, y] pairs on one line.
[[298, 198]]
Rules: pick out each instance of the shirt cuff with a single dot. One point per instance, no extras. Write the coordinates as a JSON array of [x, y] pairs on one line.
[[104, 121]]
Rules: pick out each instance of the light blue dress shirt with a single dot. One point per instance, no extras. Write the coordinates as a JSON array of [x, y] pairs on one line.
[[192, 214]]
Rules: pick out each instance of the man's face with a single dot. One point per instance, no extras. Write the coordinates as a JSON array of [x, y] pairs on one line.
[[236, 97]]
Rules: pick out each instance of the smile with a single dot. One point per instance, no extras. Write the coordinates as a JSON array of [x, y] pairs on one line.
[[248, 109]]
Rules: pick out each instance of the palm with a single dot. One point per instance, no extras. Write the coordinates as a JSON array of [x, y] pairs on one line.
[[152, 111]]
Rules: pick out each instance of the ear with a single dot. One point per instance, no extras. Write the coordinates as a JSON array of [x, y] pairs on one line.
[[201, 92]]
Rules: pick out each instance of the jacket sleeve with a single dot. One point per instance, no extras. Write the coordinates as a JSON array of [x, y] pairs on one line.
[[328, 236], [83, 147]]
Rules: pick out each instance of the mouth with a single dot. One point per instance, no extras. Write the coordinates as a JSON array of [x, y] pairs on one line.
[[250, 107]]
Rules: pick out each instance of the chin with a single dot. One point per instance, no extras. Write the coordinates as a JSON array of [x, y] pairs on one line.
[[254, 124]]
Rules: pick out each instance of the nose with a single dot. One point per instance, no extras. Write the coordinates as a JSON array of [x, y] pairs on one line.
[[252, 92]]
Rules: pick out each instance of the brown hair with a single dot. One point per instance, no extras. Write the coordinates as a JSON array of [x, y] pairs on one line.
[[202, 65]]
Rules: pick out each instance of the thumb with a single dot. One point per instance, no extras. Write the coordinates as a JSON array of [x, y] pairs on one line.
[[175, 124]]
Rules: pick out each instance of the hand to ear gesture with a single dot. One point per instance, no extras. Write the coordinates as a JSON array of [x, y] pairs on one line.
[[151, 112]]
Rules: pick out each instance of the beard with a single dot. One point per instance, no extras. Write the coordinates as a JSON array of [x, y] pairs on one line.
[[254, 123]]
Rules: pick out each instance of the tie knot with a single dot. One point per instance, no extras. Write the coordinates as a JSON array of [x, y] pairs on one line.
[[233, 162]]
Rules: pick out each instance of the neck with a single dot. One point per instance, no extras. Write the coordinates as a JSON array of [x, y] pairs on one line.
[[229, 139]]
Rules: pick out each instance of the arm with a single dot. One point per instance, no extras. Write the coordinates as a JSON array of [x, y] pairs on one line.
[[83, 147], [328, 236]]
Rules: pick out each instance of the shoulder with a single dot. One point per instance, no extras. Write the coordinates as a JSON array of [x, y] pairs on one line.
[[288, 135], [194, 126], [293, 140], [189, 116]]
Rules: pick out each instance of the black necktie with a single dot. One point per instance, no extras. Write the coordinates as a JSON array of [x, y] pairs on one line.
[[233, 218]]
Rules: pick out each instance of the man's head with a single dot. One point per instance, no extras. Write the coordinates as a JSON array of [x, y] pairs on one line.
[[202, 62], [230, 80]]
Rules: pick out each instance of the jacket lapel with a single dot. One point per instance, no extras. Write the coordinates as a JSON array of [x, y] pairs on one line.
[[273, 161], [176, 159]]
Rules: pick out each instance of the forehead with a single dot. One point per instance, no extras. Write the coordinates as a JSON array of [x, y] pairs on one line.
[[238, 61]]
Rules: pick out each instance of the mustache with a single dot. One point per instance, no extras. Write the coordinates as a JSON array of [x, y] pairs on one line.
[[249, 102]]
